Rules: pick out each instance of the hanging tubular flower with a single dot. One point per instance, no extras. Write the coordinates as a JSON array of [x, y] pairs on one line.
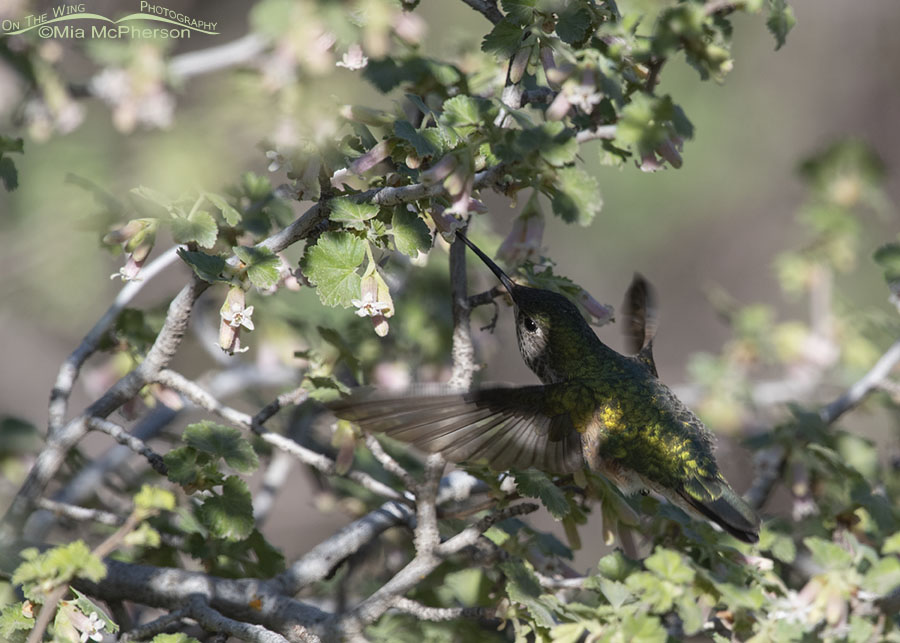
[[234, 316], [375, 302], [527, 234], [137, 238]]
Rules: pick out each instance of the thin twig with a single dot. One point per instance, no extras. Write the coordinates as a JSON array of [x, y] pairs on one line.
[[291, 398], [425, 613], [68, 372], [214, 621], [602, 132], [120, 435], [152, 628], [202, 398], [321, 560], [469, 535], [771, 464], [388, 463], [80, 513], [51, 458]]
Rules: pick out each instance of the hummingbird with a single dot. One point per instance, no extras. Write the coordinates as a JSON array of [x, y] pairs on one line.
[[594, 408]]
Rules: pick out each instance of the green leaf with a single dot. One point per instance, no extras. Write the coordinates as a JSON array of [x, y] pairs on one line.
[[153, 196], [656, 593], [642, 628], [229, 515], [883, 576], [615, 593], [348, 211], [263, 265], [88, 607], [888, 257], [410, 233], [503, 40], [828, 554], [669, 565], [179, 637], [575, 196], [615, 566], [270, 561], [691, 613], [198, 227], [8, 144], [331, 265], [465, 114], [781, 20], [552, 141], [41, 571], [8, 174], [207, 267], [423, 147], [567, 633], [574, 24], [520, 11], [222, 442], [151, 498], [231, 215], [523, 587], [14, 624], [556, 144], [891, 544], [536, 484], [181, 465], [784, 549]]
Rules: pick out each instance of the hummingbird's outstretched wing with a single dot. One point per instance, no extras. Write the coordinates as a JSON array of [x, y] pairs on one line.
[[506, 427]]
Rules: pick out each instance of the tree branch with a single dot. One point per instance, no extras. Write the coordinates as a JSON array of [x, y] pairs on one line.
[[68, 372], [462, 351], [321, 560], [51, 458], [770, 463], [487, 8], [125, 438], [425, 613], [250, 600], [214, 621]]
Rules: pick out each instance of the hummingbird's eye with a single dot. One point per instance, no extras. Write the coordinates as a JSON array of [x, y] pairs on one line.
[[529, 324]]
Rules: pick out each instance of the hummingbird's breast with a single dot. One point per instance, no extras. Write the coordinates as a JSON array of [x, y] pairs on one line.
[[640, 433]]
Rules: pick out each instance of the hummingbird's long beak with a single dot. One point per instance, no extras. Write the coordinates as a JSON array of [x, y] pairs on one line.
[[502, 276]]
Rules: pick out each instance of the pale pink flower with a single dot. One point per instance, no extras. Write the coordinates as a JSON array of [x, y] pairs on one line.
[[354, 59]]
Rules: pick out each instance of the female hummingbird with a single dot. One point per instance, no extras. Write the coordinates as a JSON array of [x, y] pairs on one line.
[[595, 408]]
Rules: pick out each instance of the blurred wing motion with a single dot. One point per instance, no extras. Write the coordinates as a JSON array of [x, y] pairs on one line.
[[720, 504], [641, 318], [503, 427]]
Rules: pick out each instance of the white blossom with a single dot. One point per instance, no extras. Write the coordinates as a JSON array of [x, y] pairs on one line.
[[354, 59]]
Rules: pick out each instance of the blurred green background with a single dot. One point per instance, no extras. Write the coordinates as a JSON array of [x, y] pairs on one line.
[[719, 220]]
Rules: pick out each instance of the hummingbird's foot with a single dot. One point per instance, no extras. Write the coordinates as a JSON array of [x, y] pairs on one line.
[[645, 492]]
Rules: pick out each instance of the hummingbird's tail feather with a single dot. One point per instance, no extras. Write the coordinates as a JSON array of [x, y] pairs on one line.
[[504, 427], [729, 511]]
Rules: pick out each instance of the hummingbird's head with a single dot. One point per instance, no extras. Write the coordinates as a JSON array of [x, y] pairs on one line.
[[553, 336]]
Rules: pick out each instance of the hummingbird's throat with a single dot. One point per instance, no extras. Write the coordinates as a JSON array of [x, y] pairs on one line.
[[537, 355]]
